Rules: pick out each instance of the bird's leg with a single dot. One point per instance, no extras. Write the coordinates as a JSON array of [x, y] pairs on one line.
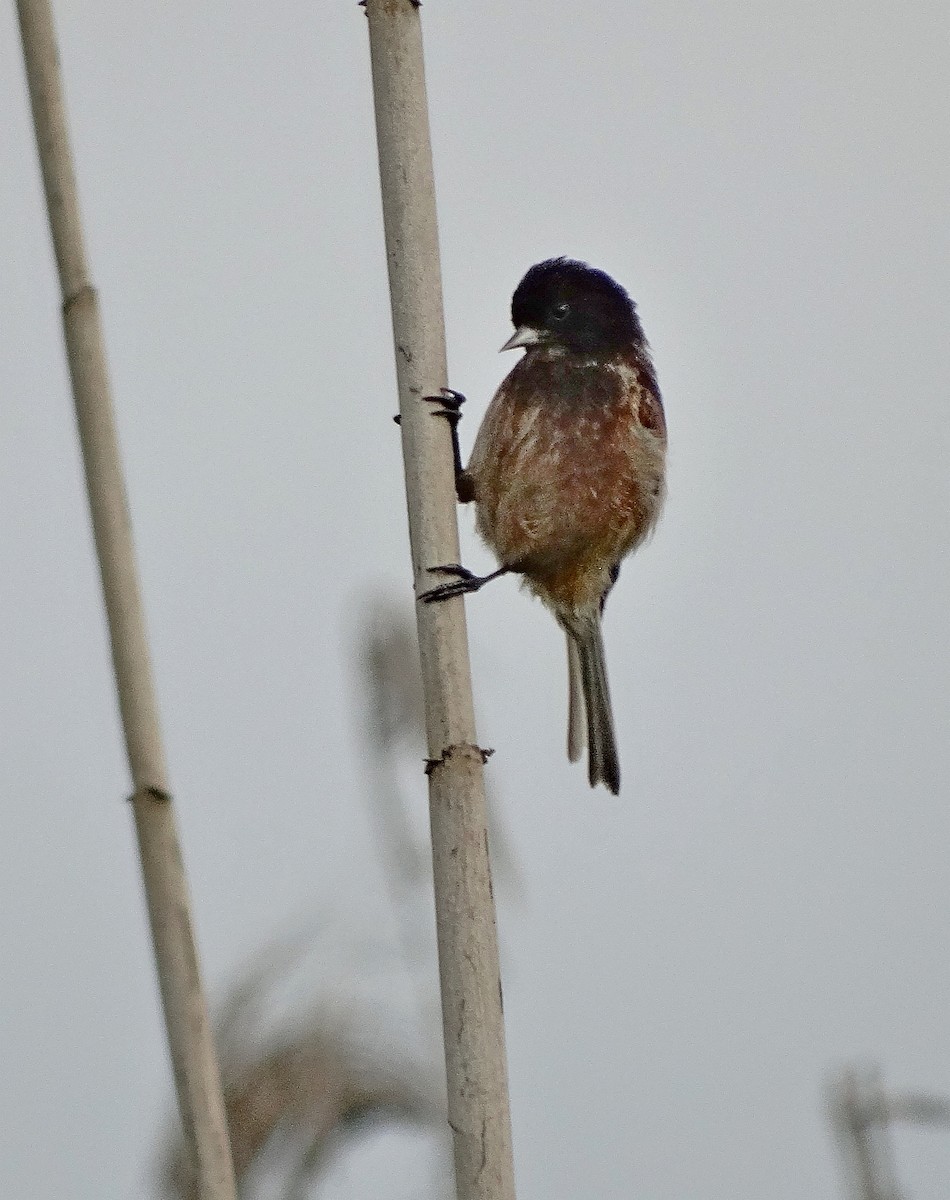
[[450, 407], [463, 582]]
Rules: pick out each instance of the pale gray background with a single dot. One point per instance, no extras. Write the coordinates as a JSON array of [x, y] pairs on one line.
[[769, 897]]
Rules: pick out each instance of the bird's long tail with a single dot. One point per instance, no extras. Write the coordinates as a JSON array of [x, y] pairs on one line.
[[590, 695], [576, 713]]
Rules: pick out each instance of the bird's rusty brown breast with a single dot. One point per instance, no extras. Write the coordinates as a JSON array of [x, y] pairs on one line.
[[568, 470]]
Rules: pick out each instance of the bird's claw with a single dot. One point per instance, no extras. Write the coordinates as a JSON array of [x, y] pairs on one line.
[[455, 569], [451, 402], [462, 583], [451, 409]]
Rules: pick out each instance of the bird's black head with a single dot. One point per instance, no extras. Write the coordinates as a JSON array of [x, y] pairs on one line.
[[568, 304]]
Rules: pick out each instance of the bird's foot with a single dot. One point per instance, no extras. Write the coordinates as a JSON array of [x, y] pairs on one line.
[[463, 582], [451, 403], [451, 409]]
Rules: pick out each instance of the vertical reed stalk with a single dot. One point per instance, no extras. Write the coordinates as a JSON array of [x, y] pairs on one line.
[[189, 1034], [473, 1024]]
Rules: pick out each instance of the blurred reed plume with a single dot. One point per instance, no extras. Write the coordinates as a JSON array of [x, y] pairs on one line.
[[863, 1113], [328, 1038], [304, 1081]]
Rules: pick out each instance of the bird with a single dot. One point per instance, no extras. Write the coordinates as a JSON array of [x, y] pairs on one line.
[[567, 473]]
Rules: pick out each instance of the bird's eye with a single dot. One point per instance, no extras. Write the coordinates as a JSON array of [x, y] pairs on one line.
[[560, 312]]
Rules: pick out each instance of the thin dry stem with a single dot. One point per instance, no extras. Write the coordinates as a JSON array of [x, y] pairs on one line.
[[189, 1034], [473, 1024]]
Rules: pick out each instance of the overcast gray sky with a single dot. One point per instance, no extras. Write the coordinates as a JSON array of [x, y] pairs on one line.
[[769, 896]]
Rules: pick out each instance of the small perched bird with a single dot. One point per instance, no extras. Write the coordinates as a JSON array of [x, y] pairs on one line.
[[567, 473]]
